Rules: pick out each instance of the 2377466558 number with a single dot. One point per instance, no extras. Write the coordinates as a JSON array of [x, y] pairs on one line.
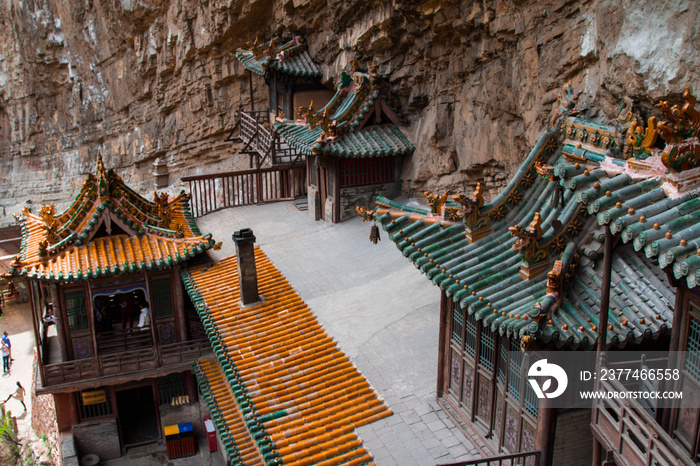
[[639, 374]]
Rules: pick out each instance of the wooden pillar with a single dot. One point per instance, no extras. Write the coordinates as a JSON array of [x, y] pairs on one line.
[[59, 311], [152, 327], [546, 428], [596, 452], [91, 325], [66, 411], [603, 317], [678, 329], [191, 385], [443, 336], [178, 303], [335, 170], [37, 319], [250, 83]]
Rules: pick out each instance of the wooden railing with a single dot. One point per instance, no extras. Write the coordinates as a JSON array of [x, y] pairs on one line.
[[527, 458], [219, 191], [259, 136], [624, 426], [84, 370]]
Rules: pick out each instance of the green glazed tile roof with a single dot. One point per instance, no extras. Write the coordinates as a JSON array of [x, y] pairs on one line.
[[353, 136], [291, 58], [484, 276], [372, 141]]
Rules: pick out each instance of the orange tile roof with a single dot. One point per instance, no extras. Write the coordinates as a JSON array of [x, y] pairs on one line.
[[279, 376], [138, 233]]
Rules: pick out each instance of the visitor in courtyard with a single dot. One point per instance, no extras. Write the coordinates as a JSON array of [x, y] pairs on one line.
[[5, 358], [6, 340], [18, 395]]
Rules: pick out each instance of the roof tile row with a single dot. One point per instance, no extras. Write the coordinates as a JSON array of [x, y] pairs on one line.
[[299, 396]]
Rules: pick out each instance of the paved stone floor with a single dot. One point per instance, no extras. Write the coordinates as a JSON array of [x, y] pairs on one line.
[[382, 312]]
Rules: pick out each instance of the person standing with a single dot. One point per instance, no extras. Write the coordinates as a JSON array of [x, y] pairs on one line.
[[144, 317], [5, 357], [126, 304], [18, 395], [6, 340]]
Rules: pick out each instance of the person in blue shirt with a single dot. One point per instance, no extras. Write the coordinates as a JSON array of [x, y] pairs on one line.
[[6, 339]]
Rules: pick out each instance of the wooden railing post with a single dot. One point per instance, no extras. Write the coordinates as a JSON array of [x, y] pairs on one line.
[[258, 187]]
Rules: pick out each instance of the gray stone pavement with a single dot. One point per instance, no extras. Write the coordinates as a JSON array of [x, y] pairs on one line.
[[16, 321], [382, 312]]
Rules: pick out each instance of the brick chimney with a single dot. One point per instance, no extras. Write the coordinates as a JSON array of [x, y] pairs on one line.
[[247, 274]]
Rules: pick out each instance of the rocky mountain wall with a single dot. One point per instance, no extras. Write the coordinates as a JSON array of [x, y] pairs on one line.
[[137, 80]]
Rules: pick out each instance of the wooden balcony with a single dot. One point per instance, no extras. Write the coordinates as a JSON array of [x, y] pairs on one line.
[[118, 367], [635, 438], [260, 137], [232, 189]]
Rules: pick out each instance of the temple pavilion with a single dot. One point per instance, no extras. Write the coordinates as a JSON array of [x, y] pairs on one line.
[[528, 272], [353, 145], [114, 370]]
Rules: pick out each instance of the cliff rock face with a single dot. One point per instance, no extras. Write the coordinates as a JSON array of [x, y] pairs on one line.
[[137, 80]]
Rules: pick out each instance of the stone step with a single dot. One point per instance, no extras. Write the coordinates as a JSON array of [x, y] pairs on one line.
[[302, 204]]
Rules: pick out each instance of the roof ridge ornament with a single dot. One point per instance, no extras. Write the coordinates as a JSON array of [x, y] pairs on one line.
[[682, 151], [51, 225], [640, 140], [567, 100], [534, 256], [679, 129], [477, 224], [436, 203]]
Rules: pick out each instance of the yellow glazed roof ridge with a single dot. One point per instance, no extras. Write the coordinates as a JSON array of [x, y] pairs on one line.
[[160, 232], [306, 393]]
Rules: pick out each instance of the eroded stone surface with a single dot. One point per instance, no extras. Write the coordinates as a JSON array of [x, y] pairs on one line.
[[478, 81]]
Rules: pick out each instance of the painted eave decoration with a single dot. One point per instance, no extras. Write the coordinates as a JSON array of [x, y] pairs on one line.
[[279, 389], [290, 57], [108, 230], [359, 121], [528, 263]]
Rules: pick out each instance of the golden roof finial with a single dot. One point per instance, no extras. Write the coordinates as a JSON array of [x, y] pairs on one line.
[[436, 203]]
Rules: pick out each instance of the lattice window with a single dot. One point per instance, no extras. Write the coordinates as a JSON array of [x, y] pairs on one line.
[[162, 304], [76, 311], [503, 359], [487, 350], [457, 325], [367, 170], [94, 403], [692, 359], [170, 386], [530, 400], [514, 377], [470, 336]]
